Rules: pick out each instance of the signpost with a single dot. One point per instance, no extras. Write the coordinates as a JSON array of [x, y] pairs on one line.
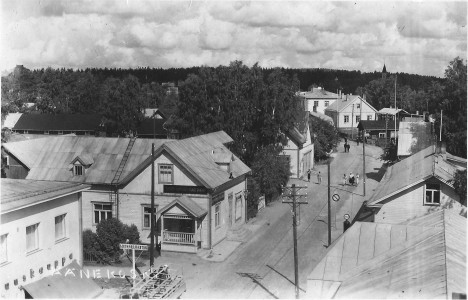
[[133, 247]]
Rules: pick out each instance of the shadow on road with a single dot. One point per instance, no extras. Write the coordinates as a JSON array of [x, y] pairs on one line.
[[377, 176], [255, 278]]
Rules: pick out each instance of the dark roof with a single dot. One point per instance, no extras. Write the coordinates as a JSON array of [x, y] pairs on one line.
[[60, 122], [148, 125], [377, 125], [384, 70]]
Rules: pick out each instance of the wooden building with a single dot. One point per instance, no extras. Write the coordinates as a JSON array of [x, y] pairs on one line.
[[59, 124], [199, 184], [41, 234]]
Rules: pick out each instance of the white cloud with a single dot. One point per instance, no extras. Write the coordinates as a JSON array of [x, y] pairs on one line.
[[413, 37]]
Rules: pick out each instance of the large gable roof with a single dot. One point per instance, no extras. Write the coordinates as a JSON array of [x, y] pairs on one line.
[[413, 170], [50, 158], [345, 101], [318, 93], [424, 258], [60, 122]]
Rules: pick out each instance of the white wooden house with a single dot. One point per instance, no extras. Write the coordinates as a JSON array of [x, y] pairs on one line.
[[200, 185], [40, 236], [348, 111]]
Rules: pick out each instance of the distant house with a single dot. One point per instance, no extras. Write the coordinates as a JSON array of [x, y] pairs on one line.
[[414, 187], [200, 185], [423, 258], [378, 129], [318, 99], [347, 112], [79, 124], [414, 137], [299, 150], [40, 236]]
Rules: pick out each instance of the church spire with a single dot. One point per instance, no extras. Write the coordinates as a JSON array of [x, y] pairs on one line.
[[384, 71]]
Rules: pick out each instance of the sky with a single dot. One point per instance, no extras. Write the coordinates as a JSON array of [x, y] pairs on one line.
[[418, 37]]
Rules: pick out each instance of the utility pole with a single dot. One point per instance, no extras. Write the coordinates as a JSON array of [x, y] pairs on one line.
[[152, 210], [363, 135], [440, 134], [329, 204], [292, 195], [395, 110], [352, 117]]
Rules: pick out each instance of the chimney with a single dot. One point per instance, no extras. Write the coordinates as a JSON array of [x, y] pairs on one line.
[[417, 112], [441, 149]]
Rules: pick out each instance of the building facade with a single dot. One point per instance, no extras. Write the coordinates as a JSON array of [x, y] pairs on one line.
[[40, 231], [318, 99]]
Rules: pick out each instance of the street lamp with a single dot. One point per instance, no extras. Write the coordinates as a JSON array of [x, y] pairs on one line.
[[330, 155]]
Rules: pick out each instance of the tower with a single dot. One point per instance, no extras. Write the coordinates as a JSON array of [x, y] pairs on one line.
[[384, 72]]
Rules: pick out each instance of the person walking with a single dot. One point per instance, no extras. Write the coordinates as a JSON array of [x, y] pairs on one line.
[[351, 178], [344, 179], [357, 179], [308, 175], [349, 146], [319, 178], [345, 147]]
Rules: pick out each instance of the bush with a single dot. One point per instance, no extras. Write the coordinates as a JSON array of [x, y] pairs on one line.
[[110, 235], [130, 233]]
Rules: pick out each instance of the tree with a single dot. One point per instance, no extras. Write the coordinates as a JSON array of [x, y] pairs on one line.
[[109, 236], [459, 183], [325, 135]]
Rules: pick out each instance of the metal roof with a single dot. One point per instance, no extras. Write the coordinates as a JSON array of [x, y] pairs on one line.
[[59, 122], [19, 193], [412, 170], [187, 204], [10, 120], [345, 101], [423, 259], [414, 137], [317, 94], [50, 158], [392, 111]]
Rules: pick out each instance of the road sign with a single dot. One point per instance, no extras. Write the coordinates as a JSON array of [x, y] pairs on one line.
[[133, 247], [336, 197]]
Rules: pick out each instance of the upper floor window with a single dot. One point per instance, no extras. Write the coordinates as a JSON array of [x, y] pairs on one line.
[[32, 237], [78, 170], [3, 248], [327, 103], [60, 227], [369, 117], [346, 119], [166, 173], [358, 106], [432, 194], [316, 103], [102, 211]]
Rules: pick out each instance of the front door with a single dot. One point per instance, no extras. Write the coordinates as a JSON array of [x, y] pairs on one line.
[[230, 208]]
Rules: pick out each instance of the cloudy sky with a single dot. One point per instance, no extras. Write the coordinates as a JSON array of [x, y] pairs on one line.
[[415, 37]]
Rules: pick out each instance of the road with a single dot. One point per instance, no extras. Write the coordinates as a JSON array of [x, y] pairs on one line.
[[263, 267]]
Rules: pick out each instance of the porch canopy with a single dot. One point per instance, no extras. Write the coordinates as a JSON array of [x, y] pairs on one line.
[[71, 283], [188, 205]]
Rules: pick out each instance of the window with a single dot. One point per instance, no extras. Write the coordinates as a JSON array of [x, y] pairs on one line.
[[316, 103], [369, 117], [3, 248], [46, 132], [346, 119], [358, 106], [381, 135], [432, 194], [102, 212], [327, 103], [238, 206], [217, 215], [60, 227], [166, 174], [60, 132], [147, 216], [358, 118], [78, 170], [32, 237]]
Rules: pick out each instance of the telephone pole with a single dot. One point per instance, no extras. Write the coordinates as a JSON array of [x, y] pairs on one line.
[[292, 195]]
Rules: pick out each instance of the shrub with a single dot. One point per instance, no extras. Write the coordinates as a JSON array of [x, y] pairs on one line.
[[110, 235], [130, 233]]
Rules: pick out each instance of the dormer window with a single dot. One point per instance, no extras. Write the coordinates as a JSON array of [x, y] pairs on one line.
[[78, 170]]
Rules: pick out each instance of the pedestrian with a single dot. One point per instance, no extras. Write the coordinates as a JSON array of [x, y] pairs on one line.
[[319, 178], [345, 147], [308, 175], [351, 178], [344, 179], [349, 146], [357, 179]]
